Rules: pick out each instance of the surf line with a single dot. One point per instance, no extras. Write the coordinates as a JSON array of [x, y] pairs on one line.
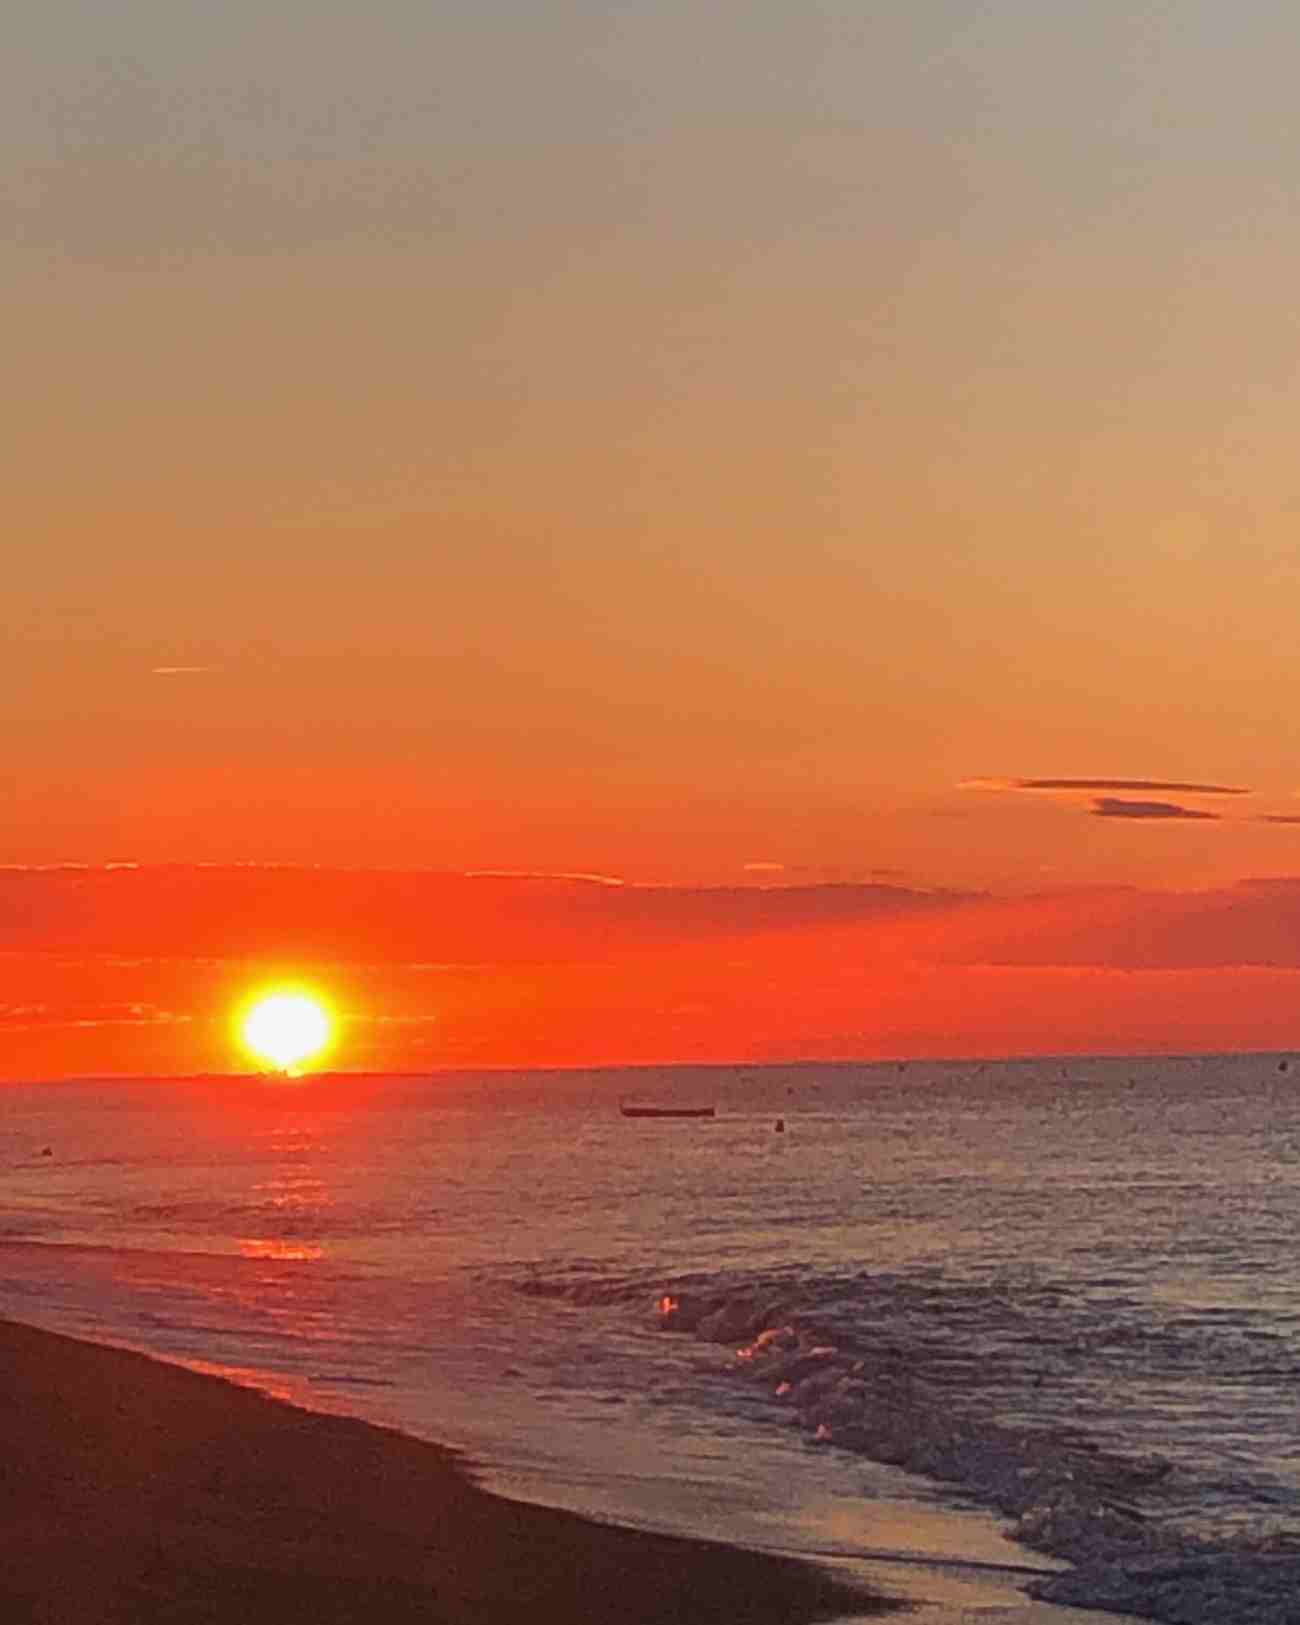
[[872, 1554]]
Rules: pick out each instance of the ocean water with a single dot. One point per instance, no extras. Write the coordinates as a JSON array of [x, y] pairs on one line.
[[1060, 1298]]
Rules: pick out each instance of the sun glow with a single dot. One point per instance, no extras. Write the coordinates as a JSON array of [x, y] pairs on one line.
[[286, 1029]]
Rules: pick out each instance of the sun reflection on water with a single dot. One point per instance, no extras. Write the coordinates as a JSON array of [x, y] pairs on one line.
[[268, 1247]]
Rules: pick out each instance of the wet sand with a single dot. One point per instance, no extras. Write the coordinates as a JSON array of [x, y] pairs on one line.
[[949, 1565], [134, 1492]]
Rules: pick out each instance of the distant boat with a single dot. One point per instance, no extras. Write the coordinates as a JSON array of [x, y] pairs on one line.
[[668, 1111]]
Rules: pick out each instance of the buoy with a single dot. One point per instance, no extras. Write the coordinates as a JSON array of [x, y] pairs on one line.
[[780, 1125]]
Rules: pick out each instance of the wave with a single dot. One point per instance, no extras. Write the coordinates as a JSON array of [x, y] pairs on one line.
[[1030, 1399]]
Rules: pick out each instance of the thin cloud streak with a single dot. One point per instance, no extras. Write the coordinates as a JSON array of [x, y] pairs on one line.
[[1083, 786], [1166, 786], [31, 1017], [544, 874]]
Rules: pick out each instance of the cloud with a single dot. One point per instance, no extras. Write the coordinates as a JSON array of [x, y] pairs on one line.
[[180, 671], [544, 875], [313, 915], [1165, 786], [435, 967], [1152, 786], [44, 1014], [137, 926], [1253, 923], [1117, 807], [1278, 818]]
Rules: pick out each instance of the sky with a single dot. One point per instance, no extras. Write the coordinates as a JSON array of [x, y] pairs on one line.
[[821, 475]]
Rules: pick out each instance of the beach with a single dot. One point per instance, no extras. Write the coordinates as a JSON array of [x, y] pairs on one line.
[[135, 1491]]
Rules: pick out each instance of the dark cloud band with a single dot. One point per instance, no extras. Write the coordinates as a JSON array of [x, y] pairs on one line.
[[1117, 807]]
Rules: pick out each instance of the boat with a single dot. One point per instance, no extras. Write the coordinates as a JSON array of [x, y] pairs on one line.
[[667, 1111]]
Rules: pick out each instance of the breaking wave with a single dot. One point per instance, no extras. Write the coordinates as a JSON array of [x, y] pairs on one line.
[[1096, 1426]]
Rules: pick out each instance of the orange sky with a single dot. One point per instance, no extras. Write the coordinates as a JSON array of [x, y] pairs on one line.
[[743, 447], [137, 970]]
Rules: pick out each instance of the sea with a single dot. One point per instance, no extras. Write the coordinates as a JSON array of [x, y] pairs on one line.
[[1035, 1319]]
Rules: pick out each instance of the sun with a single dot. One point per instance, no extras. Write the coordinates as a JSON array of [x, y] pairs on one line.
[[286, 1029]]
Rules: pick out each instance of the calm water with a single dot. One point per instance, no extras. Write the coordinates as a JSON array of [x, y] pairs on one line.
[[1051, 1257]]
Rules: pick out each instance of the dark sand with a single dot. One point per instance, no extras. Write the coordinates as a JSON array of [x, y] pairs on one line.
[[136, 1492]]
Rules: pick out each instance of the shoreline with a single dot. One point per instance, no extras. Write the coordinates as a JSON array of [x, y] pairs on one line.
[[134, 1490]]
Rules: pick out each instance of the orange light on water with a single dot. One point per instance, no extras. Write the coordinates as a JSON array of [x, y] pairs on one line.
[[280, 1252], [285, 1029]]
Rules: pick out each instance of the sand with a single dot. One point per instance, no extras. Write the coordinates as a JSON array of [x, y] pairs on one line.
[[134, 1492]]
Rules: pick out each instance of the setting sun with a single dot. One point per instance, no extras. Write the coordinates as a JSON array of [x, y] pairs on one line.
[[286, 1029]]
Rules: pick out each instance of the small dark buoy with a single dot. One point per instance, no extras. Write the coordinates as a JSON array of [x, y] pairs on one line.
[[1282, 1065], [48, 1151], [780, 1125]]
